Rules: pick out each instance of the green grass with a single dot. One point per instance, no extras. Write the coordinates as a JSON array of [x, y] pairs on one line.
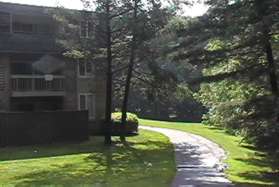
[[147, 160], [247, 166]]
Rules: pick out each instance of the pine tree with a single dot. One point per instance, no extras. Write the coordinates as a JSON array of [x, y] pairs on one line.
[[234, 44]]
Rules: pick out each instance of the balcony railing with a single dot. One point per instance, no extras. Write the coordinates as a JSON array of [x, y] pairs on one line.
[[29, 83]]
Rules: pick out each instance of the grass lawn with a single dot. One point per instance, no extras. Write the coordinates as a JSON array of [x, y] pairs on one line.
[[247, 167], [147, 160]]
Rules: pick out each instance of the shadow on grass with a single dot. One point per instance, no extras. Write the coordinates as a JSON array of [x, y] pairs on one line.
[[271, 177], [50, 150], [135, 164]]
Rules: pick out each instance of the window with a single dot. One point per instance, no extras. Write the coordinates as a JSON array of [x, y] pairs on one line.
[[82, 102], [81, 67], [85, 68], [88, 67], [21, 68], [4, 22], [87, 102], [86, 29], [91, 106], [23, 27], [26, 68]]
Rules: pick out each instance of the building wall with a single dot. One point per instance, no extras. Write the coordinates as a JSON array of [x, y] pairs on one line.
[[21, 43], [94, 85], [87, 85], [74, 85], [71, 93], [100, 97], [4, 83], [38, 41]]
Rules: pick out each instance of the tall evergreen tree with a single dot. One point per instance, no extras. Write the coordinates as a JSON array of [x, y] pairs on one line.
[[109, 12], [130, 68], [234, 44]]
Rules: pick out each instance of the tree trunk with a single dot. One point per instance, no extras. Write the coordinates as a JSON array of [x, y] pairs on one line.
[[129, 74], [108, 121], [272, 76], [261, 8], [271, 68]]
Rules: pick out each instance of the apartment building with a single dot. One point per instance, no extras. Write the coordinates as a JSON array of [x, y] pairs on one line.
[[34, 75]]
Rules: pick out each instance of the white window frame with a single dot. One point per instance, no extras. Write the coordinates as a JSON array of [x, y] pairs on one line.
[[86, 104], [86, 75]]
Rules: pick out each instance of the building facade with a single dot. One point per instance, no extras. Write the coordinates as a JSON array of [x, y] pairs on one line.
[[34, 75]]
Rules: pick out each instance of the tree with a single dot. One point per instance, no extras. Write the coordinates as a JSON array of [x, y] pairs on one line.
[[156, 91], [142, 19], [102, 19], [110, 12], [130, 69], [107, 17], [233, 43]]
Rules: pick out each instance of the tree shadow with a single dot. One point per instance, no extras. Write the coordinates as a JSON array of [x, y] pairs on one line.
[[131, 164], [262, 160], [50, 150]]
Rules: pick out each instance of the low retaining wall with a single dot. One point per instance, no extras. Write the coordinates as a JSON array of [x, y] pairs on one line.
[[28, 128]]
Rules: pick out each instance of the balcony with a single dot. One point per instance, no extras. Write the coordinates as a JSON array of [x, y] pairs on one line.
[[37, 85]]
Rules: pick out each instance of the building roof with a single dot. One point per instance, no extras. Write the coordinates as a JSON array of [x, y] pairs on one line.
[[31, 42], [11, 7], [24, 9]]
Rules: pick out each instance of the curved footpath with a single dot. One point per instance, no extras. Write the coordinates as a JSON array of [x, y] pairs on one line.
[[198, 160]]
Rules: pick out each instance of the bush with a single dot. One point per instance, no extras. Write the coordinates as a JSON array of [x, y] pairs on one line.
[[131, 118], [242, 109], [131, 127]]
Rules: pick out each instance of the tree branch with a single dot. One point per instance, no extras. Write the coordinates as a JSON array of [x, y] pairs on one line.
[[120, 13], [145, 81], [120, 69], [222, 76]]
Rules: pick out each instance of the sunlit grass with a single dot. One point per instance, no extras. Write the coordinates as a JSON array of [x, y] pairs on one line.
[[246, 165], [147, 160]]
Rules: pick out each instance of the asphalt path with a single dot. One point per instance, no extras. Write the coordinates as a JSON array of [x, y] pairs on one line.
[[199, 161]]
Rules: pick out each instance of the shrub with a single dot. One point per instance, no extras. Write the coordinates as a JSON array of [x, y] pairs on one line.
[[131, 118]]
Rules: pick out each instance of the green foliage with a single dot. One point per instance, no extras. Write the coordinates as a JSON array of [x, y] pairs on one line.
[[68, 35], [241, 107], [131, 118], [74, 54], [176, 24], [215, 44], [183, 92], [231, 44], [162, 91]]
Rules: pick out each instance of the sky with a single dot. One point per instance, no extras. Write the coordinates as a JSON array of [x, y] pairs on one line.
[[193, 11]]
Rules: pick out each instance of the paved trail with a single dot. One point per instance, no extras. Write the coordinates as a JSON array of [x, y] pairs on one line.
[[199, 161]]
